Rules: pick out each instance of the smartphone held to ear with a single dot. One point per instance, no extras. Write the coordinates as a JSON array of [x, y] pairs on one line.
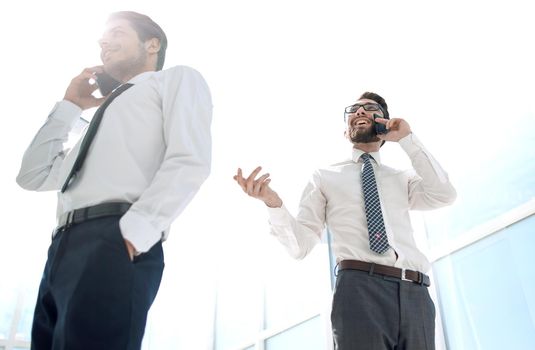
[[379, 128], [106, 83]]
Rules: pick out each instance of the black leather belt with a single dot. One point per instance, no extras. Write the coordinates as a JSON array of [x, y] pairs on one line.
[[96, 211], [402, 274]]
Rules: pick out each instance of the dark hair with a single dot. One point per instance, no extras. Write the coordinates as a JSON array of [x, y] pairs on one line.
[[381, 101], [146, 29]]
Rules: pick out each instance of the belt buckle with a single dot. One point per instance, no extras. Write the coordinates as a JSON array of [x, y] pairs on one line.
[[70, 218], [404, 277]]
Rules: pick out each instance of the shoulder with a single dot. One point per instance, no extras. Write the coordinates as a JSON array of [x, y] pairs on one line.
[[184, 81], [180, 71], [341, 164], [335, 168]]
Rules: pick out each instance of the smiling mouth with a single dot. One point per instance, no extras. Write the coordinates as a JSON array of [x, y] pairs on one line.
[[362, 122], [108, 51]]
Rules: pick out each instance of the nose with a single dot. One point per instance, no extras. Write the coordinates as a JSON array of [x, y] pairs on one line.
[[361, 112], [103, 42]]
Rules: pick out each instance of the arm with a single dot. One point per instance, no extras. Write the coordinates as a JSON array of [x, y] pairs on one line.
[[298, 235], [187, 116], [42, 160], [430, 188]]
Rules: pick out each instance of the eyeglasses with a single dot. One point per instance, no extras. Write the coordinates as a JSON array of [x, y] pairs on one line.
[[366, 106]]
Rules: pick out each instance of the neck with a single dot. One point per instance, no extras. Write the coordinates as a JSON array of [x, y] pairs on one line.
[[125, 72], [368, 147]]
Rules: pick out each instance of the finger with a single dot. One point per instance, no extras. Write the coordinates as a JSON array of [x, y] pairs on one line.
[[264, 187], [259, 184], [238, 175], [381, 120], [254, 173], [86, 75], [249, 183], [94, 69], [93, 87], [394, 124], [240, 180], [94, 102]]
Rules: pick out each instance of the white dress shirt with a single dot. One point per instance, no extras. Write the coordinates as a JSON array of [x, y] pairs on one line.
[[333, 197], [152, 149]]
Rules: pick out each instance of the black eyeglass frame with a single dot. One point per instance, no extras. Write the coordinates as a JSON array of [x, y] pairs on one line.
[[379, 108]]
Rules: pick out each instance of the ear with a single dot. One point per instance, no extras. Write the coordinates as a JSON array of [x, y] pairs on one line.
[[152, 45]]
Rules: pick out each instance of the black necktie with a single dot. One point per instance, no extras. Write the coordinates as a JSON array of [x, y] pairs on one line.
[[90, 134], [372, 205]]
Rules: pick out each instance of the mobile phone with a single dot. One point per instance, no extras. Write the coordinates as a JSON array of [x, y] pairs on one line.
[[106, 83], [379, 128]]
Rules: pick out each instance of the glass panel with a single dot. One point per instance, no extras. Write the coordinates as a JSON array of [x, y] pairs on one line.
[[8, 305], [308, 335], [24, 327], [297, 289], [487, 291], [239, 308], [500, 180]]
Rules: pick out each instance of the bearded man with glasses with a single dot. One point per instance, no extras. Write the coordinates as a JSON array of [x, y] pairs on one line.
[[381, 299]]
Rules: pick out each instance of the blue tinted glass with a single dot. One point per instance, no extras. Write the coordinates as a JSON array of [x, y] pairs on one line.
[[8, 304], [297, 289], [25, 323], [489, 184], [487, 291], [238, 315], [309, 335]]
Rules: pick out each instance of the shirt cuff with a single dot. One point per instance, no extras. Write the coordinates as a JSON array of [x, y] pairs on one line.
[[67, 112], [278, 216], [139, 231]]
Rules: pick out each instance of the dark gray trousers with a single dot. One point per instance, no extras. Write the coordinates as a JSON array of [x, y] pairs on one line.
[[372, 312]]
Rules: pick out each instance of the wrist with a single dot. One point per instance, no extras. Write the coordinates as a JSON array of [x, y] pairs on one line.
[[274, 203]]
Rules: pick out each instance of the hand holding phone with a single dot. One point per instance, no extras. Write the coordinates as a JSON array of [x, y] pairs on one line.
[[80, 90], [380, 129]]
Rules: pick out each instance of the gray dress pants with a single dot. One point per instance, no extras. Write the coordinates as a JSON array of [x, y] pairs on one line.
[[373, 312]]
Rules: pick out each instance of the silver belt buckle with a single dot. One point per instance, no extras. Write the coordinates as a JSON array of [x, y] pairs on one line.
[[403, 276]]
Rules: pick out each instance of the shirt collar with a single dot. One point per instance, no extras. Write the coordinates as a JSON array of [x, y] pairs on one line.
[[357, 153], [141, 77]]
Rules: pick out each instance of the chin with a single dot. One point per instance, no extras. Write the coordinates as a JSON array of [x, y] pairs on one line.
[[368, 136], [112, 70]]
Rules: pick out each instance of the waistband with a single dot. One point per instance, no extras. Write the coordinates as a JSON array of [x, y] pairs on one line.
[[93, 212], [384, 270]]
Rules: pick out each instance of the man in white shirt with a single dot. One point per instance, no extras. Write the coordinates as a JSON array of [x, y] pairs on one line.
[[381, 299], [121, 187]]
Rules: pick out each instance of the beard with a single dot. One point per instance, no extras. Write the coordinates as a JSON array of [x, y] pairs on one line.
[[127, 67], [368, 135]]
